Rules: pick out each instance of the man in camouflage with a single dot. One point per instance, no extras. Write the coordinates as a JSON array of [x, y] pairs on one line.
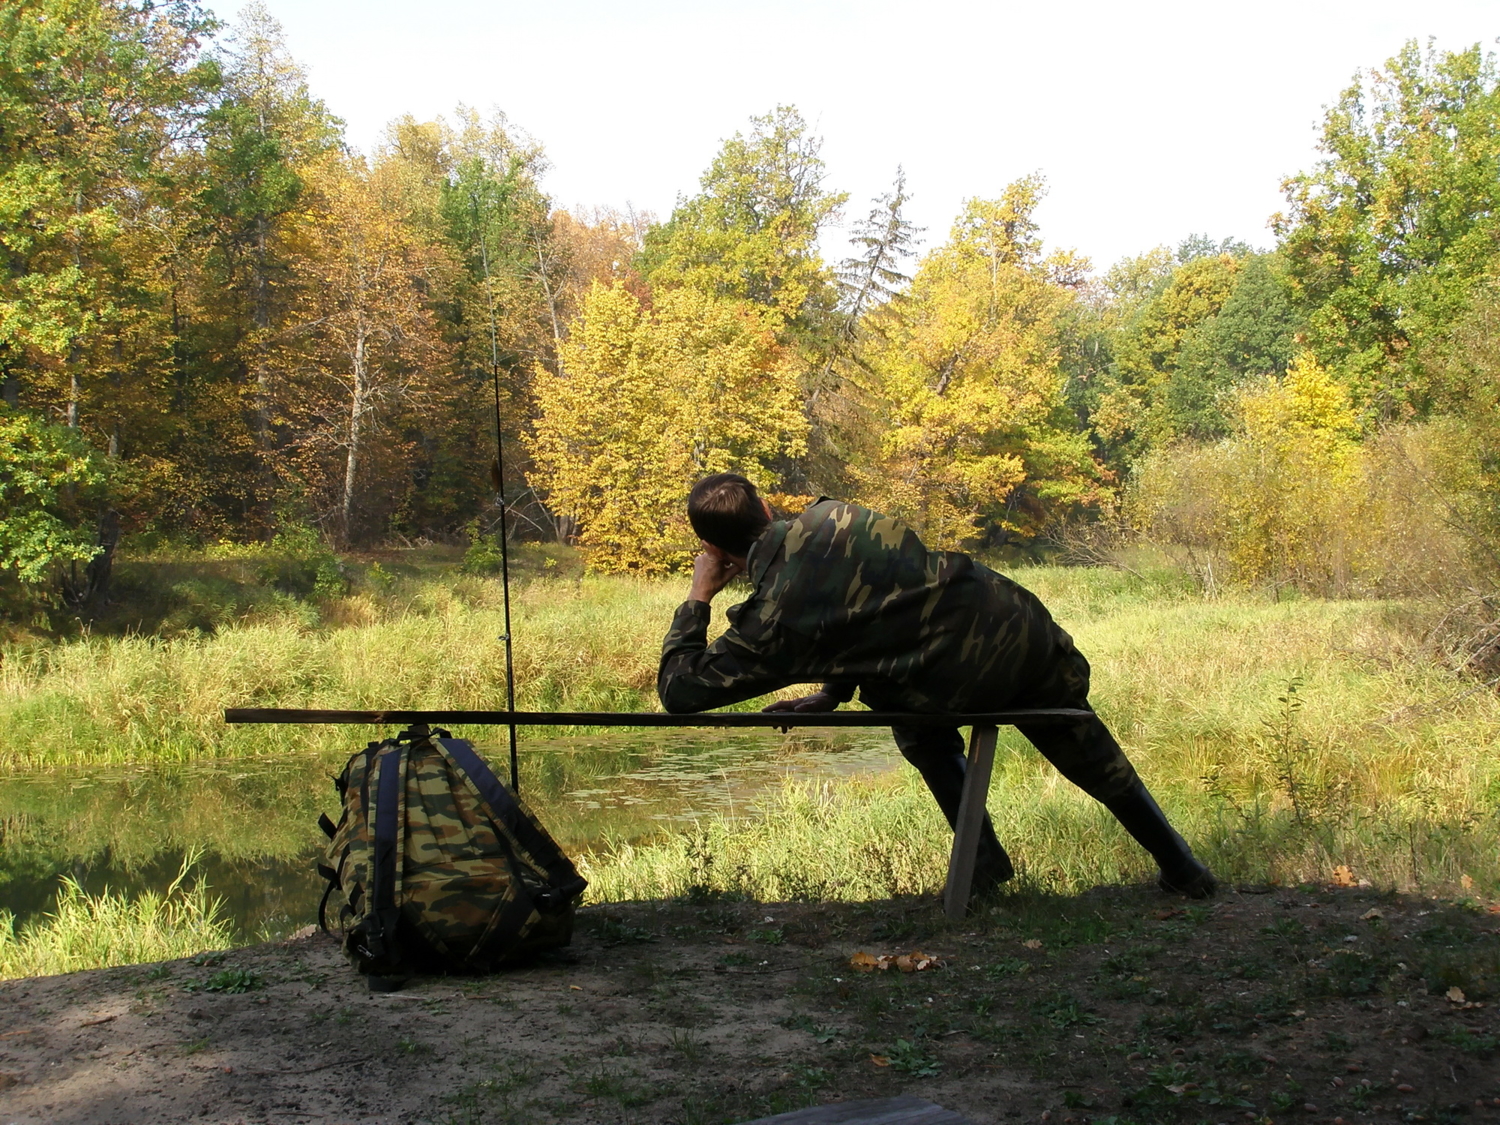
[[850, 598]]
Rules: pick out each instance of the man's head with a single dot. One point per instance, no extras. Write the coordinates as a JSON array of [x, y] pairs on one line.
[[727, 513]]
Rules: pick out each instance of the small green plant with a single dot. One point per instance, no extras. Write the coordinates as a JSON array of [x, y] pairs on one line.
[[912, 1058], [819, 1032], [228, 980], [1007, 967], [772, 936], [686, 1043], [483, 556], [615, 931]]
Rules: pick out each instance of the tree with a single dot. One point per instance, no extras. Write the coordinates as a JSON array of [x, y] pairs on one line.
[[1386, 236], [965, 369], [366, 347], [838, 399], [751, 233], [93, 93], [644, 402], [41, 467], [265, 131]]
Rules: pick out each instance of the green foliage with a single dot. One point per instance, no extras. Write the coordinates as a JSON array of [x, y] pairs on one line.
[[1387, 234], [483, 556], [751, 233], [232, 981], [44, 469]]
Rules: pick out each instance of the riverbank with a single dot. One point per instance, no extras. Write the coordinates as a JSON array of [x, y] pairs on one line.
[[1120, 1004]]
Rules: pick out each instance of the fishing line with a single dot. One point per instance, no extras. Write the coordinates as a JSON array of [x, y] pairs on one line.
[[497, 474]]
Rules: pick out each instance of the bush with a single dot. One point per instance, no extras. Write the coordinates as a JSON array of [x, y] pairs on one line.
[[483, 557], [1293, 501]]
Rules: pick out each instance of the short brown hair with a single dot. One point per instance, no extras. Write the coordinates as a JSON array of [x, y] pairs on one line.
[[725, 510]]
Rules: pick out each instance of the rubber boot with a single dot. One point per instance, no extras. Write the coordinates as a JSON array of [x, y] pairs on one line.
[[1181, 871]]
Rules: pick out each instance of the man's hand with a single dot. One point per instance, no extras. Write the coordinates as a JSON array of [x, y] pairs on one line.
[[817, 701], [712, 571]]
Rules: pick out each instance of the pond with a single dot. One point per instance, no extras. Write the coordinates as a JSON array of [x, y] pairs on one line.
[[255, 820]]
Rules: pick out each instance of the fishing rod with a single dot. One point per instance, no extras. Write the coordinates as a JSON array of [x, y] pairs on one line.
[[497, 476]]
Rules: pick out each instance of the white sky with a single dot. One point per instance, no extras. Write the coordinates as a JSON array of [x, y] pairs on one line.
[[1151, 121]]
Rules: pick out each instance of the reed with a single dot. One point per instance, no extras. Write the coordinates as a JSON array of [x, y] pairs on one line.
[[87, 931]]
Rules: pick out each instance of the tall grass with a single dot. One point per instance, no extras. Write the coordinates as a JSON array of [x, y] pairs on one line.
[[1285, 736], [581, 645], [87, 931]]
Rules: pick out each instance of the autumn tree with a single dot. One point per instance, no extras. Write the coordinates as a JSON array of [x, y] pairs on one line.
[[645, 401], [92, 95], [263, 134], [977, 437], [838, 397], [363, 349]]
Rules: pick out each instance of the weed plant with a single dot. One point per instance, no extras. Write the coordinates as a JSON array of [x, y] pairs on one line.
[[87, 931]]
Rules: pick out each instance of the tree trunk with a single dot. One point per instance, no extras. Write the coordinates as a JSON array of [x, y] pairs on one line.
[[356, 425]]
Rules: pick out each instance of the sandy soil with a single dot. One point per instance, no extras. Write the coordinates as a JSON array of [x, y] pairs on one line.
[[1315, 1004]]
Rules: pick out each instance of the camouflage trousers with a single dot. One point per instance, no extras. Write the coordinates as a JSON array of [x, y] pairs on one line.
[[1084, 752]]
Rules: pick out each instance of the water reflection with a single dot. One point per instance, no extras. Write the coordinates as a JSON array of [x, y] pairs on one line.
[[256, 819]]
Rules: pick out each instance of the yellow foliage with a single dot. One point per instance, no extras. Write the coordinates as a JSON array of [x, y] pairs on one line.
[[647, 401], [966, 375], [1292, 499]]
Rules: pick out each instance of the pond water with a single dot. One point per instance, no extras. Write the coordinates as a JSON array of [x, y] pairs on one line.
[[255, 820]]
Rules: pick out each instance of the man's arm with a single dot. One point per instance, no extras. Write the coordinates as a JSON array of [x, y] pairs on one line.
[[697, 676]]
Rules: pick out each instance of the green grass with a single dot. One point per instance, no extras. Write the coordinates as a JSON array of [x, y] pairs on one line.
[[87, 931], [1381, 761]]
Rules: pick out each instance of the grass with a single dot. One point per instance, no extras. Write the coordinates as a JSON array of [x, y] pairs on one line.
[[87, 931], [1286, 739]]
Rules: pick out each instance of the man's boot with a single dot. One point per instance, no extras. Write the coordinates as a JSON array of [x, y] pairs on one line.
[[945, 779], [1181, 871]]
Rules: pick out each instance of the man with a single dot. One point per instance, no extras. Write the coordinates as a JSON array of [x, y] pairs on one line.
[[848, 597]]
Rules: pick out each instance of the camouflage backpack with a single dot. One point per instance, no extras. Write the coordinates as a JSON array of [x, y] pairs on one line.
[[439, 866]]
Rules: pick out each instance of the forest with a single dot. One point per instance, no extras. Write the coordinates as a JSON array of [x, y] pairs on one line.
[[219, 321]]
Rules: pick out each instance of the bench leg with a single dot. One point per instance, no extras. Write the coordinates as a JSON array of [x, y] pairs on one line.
[[970, 817]]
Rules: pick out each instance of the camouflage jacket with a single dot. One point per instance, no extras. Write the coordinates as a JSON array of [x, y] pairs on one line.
[[846, 595]]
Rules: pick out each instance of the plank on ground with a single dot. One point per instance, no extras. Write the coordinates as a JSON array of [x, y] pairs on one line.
[[869, 1111]]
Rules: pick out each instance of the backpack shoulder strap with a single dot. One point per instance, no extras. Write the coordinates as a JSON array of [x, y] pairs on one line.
[[561, 874], [383, 869]]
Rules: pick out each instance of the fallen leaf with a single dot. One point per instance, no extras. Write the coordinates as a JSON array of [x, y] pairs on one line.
[[1370, 915], [880, 1060], [1178, 1090], [1468, 884], [1455, 994], [863, 962], [1343, 876], [1031, 943]]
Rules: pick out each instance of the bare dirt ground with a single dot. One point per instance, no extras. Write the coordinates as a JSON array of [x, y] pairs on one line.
[[1324, 1005]]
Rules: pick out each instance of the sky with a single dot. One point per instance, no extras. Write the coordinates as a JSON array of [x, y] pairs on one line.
[[1150, 121]]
